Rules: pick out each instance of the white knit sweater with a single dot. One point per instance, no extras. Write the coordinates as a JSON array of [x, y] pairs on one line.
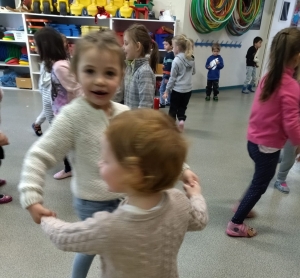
[[133, 245], [76, 130]]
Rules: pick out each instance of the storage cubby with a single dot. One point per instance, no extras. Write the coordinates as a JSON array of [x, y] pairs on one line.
[[15, 20]]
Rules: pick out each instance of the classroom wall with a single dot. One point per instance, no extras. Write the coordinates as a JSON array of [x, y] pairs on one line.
[[276, 26], [234, 58]]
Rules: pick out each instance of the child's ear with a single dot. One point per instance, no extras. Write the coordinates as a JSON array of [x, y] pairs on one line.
[[139, 46]]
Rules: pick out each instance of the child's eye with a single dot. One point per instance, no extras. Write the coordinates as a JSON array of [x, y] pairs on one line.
[[110, 73], [89, 71]]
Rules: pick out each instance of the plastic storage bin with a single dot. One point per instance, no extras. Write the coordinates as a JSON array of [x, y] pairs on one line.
[[159, 38]]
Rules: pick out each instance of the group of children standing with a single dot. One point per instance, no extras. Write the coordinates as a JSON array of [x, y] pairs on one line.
[[133, 148], [135, 235]]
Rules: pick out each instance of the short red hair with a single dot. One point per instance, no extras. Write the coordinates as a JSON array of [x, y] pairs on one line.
[[150, 140]]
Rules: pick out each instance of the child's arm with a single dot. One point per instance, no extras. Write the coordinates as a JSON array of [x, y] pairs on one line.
[[220, 65], [146, 89], [198, 213], [290, 110], [86, 237], [51, 148], [172, 79], [207, 65], [67, 80]]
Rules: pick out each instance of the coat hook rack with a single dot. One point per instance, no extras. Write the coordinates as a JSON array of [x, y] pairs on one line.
[[209, 43]]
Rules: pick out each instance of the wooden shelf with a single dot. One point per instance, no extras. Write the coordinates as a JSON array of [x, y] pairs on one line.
[[17, 89], [8, 65], [13, 41]]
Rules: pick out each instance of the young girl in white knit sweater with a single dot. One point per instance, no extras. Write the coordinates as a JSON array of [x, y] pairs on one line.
[[77, 130], [143, 153]]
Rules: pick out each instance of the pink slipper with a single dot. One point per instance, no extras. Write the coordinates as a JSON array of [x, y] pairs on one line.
[[240, 230], [5, 199], [62, 175]]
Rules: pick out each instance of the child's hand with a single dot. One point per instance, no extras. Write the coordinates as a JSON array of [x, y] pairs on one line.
[[3, 140], [166, 81], [192, 190], [165, 96], [209, 67], [37, 211]]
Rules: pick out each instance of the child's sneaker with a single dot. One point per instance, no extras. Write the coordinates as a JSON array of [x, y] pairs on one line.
[[245, 90], [161, 105], [37, 129], [215, 98], [240, 230], [181, 126], [62, 175], [207, 98], [282, 187], [5, 199]]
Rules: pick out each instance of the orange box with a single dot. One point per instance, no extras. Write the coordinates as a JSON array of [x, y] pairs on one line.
[[159, 68], [23, 83]]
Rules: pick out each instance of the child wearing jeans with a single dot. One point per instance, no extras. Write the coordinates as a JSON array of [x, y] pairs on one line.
[[168, 59], [180, 82], [142, 237], [252, 64], [77, 130], [274, 119], [3, 142], [214, 64]]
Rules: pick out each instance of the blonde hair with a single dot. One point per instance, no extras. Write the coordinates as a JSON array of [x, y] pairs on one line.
[[103, 40], [185, 45], [139, 33], [147, 140], [215, 46]]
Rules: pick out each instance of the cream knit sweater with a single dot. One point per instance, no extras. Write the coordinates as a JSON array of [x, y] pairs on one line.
[[76, 130], [133, 245]]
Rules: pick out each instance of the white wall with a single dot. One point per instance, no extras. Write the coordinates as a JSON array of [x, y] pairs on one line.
[[234, 58], [276, 26]]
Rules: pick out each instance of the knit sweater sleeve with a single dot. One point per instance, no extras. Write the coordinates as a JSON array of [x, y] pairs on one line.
[[88, 237], [44, 154], [146, 89], [198, 213]]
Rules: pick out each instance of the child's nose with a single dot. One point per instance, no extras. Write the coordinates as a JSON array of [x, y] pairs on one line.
[[100, 80]]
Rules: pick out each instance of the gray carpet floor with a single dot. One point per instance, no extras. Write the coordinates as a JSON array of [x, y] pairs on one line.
[[218, 154]]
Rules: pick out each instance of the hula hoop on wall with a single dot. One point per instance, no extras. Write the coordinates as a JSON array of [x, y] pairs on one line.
[[208, 15], [243, 17]]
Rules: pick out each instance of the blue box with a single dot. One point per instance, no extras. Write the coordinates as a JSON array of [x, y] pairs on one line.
[[159, 38]]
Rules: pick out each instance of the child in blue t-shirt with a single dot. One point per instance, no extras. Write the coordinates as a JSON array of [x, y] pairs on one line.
[[214, 64], [168, 59]]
